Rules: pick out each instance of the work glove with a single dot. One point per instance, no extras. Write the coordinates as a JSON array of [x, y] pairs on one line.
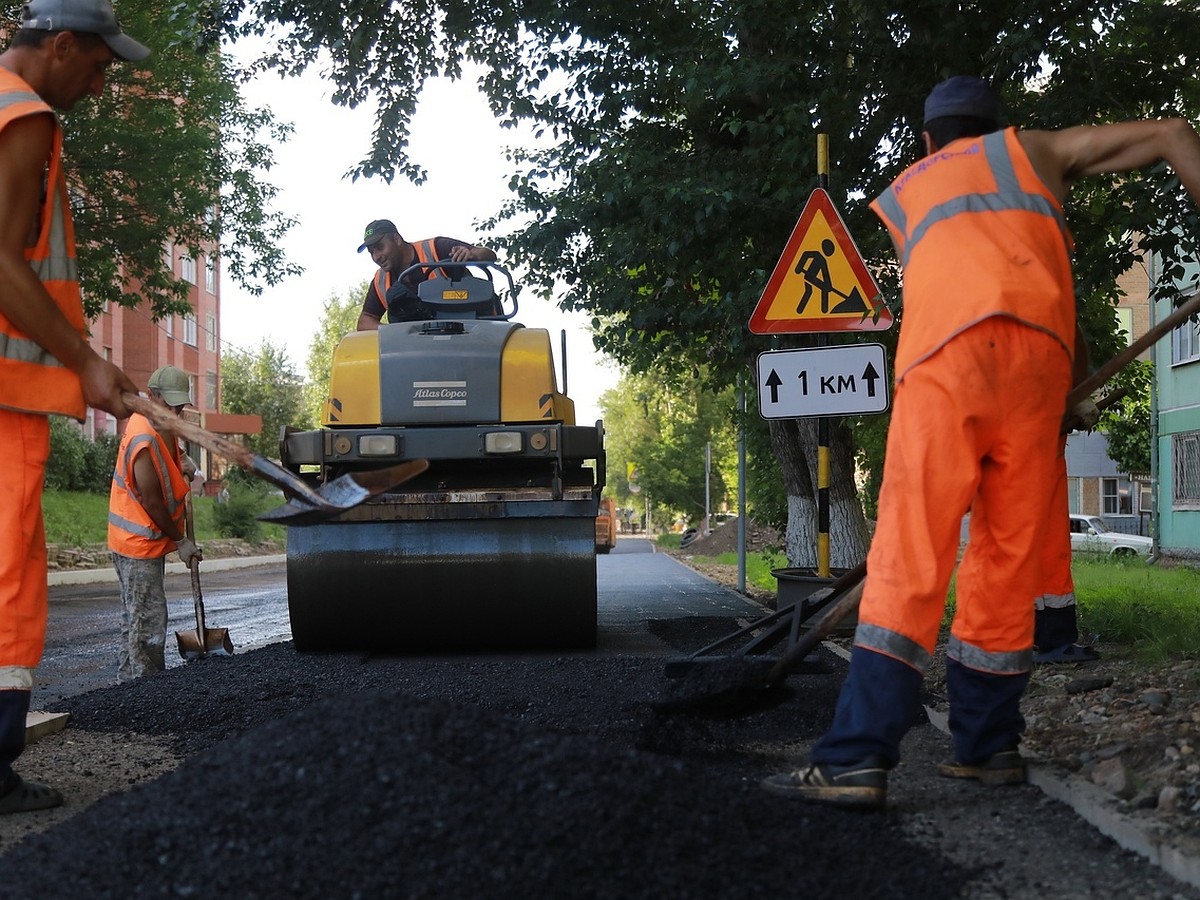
[[1083, 415], [188, 550], [188, 466]]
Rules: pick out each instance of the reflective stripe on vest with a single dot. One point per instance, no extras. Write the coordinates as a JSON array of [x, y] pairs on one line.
[[979, 235], [31, 379], [131, 531], [1008, 196], [426, 253]]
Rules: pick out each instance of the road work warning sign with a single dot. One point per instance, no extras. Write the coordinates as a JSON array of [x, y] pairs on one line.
[[820, 282]]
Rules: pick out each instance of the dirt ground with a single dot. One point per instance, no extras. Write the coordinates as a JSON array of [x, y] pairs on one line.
[[1130, 727]]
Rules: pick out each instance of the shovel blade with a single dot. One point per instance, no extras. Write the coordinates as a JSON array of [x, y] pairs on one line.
[[214, 642], [344, 492]]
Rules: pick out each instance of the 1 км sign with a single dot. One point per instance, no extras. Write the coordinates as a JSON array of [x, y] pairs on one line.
[[845, 380]]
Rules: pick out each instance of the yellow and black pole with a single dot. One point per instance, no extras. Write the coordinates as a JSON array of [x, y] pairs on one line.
[[822, 421]]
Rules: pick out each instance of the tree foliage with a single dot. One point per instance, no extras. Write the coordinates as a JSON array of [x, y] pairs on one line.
[[1127, 421], [339, 317], [665, 431], [170, 154], [262, 382], [678, 141]]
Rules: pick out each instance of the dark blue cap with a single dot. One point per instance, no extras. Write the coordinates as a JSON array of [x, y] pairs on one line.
[[963, 95]]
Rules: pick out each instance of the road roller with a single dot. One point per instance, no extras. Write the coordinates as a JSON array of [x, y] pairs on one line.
[[493, 546]]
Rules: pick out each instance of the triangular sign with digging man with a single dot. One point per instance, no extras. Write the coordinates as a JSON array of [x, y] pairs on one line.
[[820, 282]]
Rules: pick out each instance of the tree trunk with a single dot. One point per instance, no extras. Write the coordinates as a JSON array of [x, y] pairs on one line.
[[795, 444]]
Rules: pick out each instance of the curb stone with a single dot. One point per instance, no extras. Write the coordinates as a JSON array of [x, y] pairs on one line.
[[98, 576]]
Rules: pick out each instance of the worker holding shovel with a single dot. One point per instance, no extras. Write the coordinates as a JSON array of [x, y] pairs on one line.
[[147, 509], [983, 370], [59, 56]]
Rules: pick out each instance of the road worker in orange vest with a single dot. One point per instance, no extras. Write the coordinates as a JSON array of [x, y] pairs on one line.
[[397, 297], [146, 521], [59, 56], [983, 368]]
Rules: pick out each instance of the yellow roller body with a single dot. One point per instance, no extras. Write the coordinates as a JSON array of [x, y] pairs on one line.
[[495, 545]]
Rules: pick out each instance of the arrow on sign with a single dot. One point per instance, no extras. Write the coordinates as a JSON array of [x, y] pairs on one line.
[[870, 376], [773, 382]]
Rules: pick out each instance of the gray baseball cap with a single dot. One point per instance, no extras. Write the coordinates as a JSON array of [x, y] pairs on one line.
[[172, 385], [85, 17]]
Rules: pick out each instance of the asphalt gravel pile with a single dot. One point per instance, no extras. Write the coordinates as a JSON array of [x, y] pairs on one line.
[[311, 775]]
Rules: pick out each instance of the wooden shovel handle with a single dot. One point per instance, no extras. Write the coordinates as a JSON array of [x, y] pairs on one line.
[[164, 418], [1085, 388]]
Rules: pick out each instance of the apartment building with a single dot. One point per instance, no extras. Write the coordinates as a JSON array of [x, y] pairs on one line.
[[138, 344]]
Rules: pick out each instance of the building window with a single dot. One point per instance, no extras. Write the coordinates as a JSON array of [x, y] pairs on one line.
[[189, 330], [210, 332], [1075, 495], [169, 324], [187, 269], [210, 390], [169, 261], [1185, 453], [1185, 342], [192, 394], [1115, 497], [210, 275]]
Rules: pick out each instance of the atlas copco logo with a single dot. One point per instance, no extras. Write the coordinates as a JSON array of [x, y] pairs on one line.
[[439, 393]]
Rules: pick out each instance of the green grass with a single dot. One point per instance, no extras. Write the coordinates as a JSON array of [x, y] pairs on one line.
[[74, 518], [1151, 608]]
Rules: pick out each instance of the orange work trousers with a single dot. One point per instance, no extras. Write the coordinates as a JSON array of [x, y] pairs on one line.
[[24, 447], [975, 426]]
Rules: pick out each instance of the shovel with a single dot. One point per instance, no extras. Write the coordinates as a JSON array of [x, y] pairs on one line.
[[305, 505], [203, 641]]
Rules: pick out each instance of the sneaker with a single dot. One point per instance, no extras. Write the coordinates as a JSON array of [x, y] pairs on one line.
[[1005, 767], [862, 785], [28, 796]]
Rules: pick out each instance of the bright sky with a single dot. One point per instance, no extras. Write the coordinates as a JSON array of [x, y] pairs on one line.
[[468, 180]]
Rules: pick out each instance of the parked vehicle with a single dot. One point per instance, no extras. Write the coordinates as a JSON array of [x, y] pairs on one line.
[[1090, 535]]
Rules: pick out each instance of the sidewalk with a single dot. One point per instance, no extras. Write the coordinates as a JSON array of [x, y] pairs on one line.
[[98, 576]]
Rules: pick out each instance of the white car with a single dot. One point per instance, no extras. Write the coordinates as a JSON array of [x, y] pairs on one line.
[[1090, 535]]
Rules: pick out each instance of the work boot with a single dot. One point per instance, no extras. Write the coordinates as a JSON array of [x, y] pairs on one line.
[[1005, 767], [862, 785]]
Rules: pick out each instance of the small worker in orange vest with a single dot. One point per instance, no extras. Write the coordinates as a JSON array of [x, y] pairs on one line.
[[397, 297], [59, 56], [146, 521], [983, 368]]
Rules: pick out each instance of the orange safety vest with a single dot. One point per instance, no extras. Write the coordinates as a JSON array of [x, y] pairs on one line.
[[31, 379], [979, 235], [426, 253], [131, 531]]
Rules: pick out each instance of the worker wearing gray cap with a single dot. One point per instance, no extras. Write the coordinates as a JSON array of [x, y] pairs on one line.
[[146, 521], [58, 56], [983, 368]]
